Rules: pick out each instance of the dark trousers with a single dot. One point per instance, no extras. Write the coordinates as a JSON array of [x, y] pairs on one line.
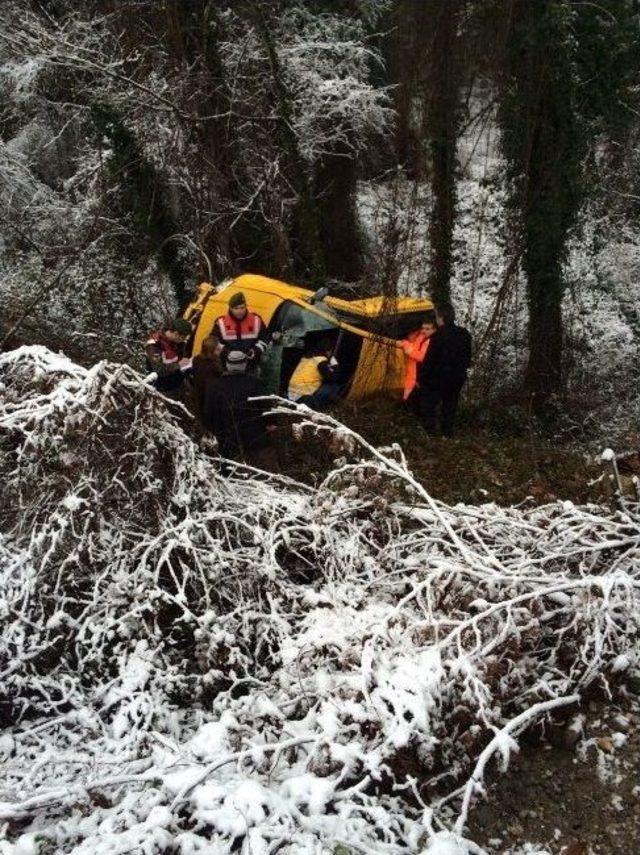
[[172, 385], [445, 399], [323, 398], [412, 404]]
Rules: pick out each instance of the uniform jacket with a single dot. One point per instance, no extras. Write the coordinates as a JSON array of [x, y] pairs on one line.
[[163, 356], [247, 334]]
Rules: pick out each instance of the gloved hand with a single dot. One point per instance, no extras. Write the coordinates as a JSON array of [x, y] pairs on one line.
[[254, 355]]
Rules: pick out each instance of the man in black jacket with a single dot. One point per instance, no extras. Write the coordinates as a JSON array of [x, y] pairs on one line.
[[238, 423], [443, 372]]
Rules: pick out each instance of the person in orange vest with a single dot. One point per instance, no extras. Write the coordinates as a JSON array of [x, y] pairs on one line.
[[241, 330], [415, 347]]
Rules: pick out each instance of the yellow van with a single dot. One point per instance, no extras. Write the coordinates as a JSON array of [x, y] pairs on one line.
[[364, 335]]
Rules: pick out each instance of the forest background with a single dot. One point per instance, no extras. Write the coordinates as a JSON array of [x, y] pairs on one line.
[[482, 151]]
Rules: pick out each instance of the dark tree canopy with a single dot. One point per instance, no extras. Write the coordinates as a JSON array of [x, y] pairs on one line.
[[324, 142]]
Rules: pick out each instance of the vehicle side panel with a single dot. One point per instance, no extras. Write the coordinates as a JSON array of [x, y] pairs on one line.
[[380, 368], [381, 362]]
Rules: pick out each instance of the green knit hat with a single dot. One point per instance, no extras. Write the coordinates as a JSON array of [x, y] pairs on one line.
[[182, 327], [237, 300]]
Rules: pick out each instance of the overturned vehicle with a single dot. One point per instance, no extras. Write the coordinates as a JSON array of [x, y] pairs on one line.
[[364, 336]]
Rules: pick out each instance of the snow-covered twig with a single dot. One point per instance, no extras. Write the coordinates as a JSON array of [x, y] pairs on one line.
[[200, 658]]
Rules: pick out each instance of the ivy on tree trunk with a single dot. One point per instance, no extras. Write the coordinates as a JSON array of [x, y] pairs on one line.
[[442, 115], [142, 191], [544, 145]]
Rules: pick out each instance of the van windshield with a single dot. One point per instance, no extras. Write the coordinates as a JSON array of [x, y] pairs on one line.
[[295, 322], [303, 333]]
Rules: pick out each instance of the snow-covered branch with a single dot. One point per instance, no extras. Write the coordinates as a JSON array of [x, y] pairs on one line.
[[192, 656]]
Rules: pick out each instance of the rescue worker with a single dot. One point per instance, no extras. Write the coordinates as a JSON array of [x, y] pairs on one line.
[[165, 352], [241, 330], [443, 372], [238, 423], [306, 378], [415, 347], [317, 381]]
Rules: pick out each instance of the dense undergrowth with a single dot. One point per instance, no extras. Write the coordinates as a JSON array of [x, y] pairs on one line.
[[500, 454], [192, 661]]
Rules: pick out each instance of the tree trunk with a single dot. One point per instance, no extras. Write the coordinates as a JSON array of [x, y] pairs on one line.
[[544, 294], [336, 188], [193, 32], [544, 148], [310, 252], [442, 131], [405, 41]]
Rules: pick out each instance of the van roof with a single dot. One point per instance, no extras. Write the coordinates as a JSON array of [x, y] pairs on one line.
[[368, 307]]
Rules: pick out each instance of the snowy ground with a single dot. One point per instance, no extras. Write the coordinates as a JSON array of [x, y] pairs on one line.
[[575, 794], [191, 661]]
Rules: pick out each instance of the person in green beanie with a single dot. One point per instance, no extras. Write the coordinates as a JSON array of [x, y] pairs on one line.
[[241, 330]]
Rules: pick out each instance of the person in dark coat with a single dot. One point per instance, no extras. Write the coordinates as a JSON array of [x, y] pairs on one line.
[[443, 373], [238, 423], [207, 367]]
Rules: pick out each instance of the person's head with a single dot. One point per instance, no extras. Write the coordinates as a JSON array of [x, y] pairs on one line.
[[445, 314], [178, 330], [235, 362], [211, 347], [238, 306], [428, 325]]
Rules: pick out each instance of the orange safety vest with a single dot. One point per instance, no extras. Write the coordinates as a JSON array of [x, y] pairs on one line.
[[168, 350], [415, 347], [241, 333]]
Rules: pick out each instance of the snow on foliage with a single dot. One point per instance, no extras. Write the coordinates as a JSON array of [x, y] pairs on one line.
[[62, 279], [191, 659], [73, 232], [601, 307], [328, 65], [69, 231]]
